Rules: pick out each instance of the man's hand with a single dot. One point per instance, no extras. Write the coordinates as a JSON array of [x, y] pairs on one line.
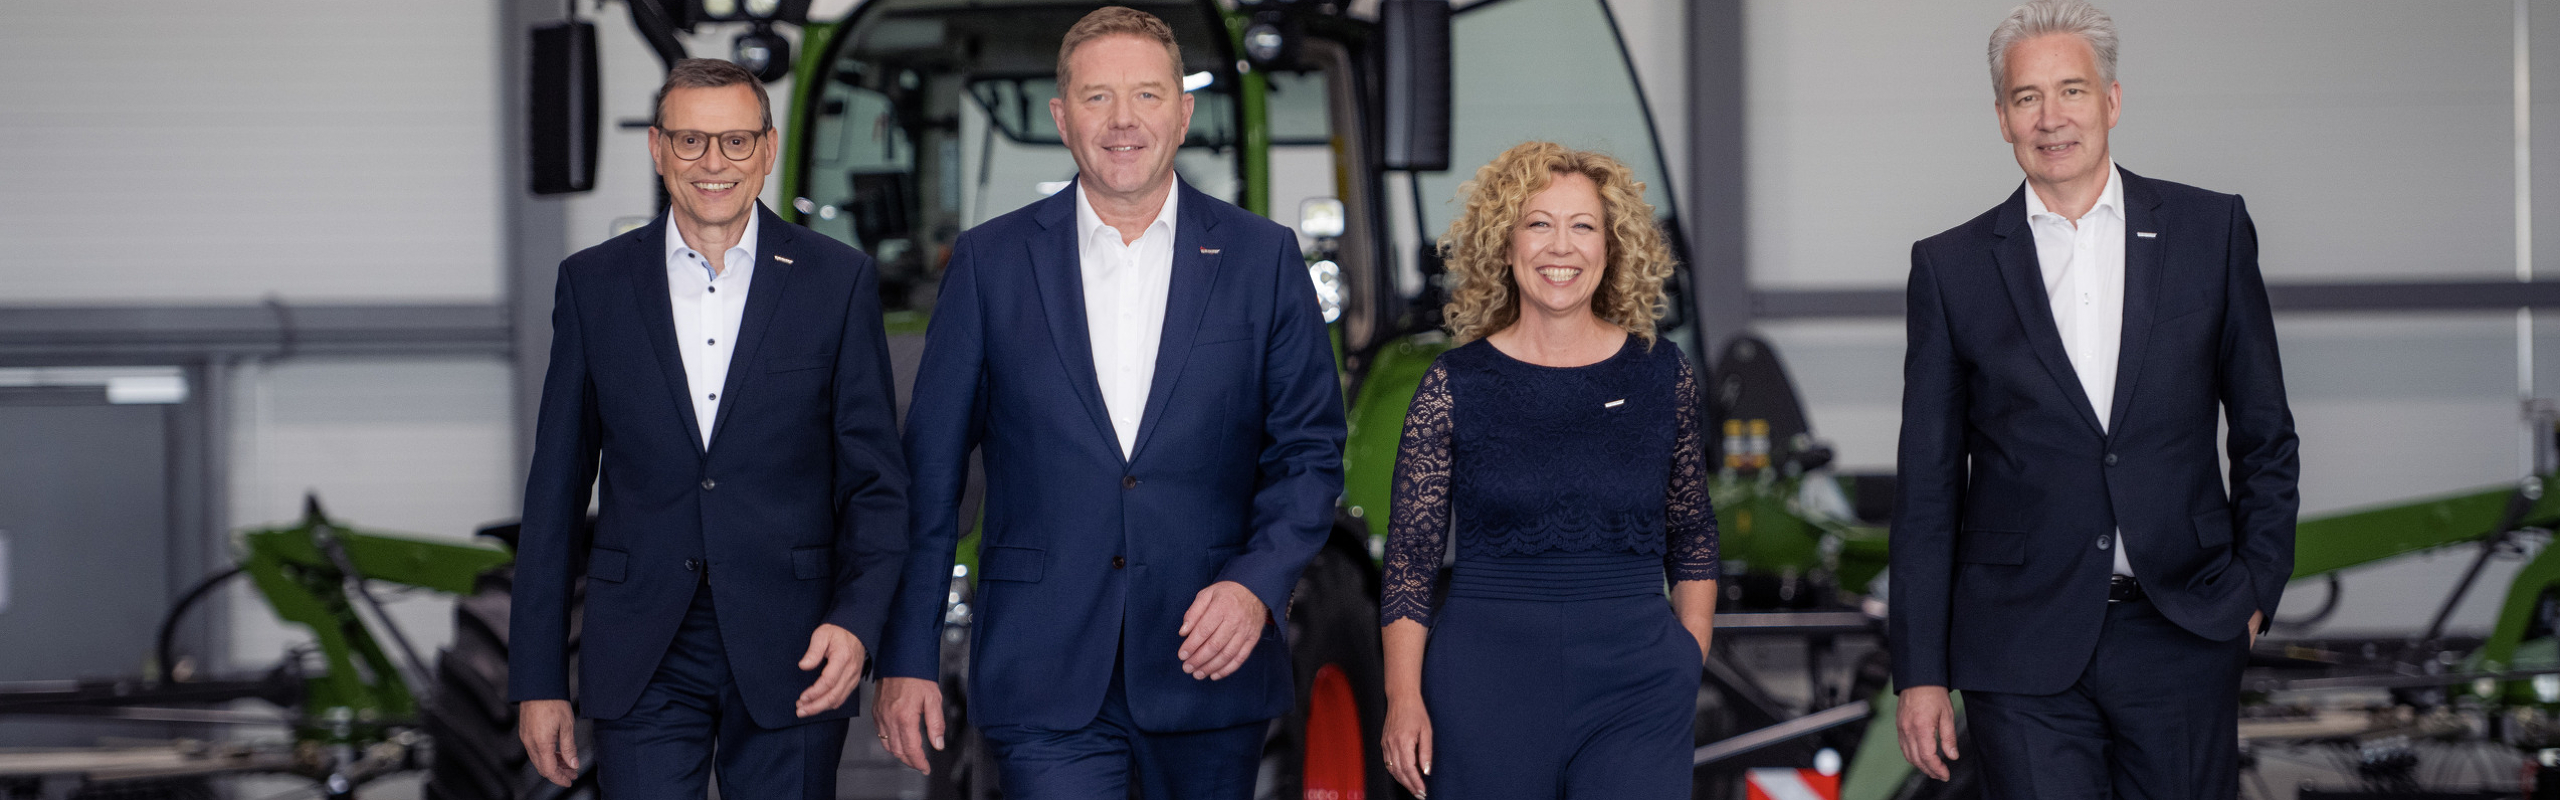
[[2257, 620], [550, 733], [842, 654], [1220, 629], [904, 702], [1927, 721]]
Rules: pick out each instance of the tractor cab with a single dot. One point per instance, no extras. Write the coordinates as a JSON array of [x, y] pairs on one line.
[[918, 119]]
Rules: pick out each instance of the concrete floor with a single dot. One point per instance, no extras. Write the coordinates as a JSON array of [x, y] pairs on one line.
[[2281, 771]]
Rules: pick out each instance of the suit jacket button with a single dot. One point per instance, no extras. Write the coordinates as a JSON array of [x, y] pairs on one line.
[[709, 484], [692, 564], [1119, 562], [2111, 459], [1128, 481], [2104, 540]]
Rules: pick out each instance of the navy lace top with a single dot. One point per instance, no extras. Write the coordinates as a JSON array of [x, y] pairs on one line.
[[1603, 458]]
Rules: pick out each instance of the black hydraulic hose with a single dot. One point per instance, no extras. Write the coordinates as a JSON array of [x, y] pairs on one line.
[[2519, 503], [2327, 607], [169, 621], [658, 27]]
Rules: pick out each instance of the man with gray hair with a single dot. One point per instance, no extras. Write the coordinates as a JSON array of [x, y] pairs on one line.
[[2066, 552]]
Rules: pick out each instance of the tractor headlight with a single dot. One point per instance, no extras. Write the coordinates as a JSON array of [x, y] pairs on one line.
[[1263, 43]]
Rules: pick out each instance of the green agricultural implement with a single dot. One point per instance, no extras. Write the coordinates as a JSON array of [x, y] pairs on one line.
[[354, 710]]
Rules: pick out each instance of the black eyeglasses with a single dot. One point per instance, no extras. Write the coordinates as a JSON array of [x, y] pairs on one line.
[[736, 145]]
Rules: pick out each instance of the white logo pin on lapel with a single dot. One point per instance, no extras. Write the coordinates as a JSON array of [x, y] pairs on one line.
[[1208, 251], [781, 259], [2146, 235], [1614, 403]]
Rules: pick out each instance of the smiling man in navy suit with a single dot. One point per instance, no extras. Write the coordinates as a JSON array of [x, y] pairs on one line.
[[2065, 549], [1149, 381], [726, 374]]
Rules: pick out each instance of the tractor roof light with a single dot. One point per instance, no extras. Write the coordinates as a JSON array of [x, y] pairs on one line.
[[792, 11], [1264, 43], [1321, 218], [762, 52]]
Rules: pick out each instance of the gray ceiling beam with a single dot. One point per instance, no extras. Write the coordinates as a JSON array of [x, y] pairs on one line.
[[164, 334]]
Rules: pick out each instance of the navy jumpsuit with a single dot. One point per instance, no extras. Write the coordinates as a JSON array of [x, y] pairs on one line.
[[1556, 669]]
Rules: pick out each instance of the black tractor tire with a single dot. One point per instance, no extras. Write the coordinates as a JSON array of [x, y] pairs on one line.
[[1713, 723], [469, 720], [1333, 633], [964, 769]]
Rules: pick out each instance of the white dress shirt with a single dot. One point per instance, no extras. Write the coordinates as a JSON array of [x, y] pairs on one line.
[[1125, 287], [708, 305], [2083, 266]]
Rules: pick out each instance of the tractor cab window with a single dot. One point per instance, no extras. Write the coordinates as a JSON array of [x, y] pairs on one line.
[[934, 117], [1590, 101]]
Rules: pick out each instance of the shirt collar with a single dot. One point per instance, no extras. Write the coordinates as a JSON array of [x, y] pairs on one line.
[[2110, 199], [1090, 224], [746, 242]]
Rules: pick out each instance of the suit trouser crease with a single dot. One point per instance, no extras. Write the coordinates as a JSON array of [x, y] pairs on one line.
[[1101, 760], [691, 716], [2154, 716]]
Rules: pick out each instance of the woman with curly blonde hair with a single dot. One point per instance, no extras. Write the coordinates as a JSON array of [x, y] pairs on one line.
[[1562, 447]]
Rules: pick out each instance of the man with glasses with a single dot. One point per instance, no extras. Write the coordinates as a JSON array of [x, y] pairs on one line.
[[726, 375]]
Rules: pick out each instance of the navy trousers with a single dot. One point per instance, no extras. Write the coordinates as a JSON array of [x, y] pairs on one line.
[[2156, 714], [1102, 760], [1560, 676], [691, 714]]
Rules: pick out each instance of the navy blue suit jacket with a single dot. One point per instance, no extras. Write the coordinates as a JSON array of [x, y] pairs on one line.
[[1089, 556], [798, 507], [2011, 494]]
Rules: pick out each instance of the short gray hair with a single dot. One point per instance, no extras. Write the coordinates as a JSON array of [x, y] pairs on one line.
[[708, 73], [2043, 17]]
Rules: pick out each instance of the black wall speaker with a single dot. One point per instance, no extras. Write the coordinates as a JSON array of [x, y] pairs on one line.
[[563, 116], [1416, 59]]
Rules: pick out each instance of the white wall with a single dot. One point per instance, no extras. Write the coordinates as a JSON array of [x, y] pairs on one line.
[[2373, 141], [166, 151]]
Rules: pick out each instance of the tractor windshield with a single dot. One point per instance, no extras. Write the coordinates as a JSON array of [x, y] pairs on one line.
[[922, 118], [931, 117], [1581, 93]]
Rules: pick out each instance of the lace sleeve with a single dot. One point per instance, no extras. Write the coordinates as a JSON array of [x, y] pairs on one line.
[[1418, 517], [1689, 518]]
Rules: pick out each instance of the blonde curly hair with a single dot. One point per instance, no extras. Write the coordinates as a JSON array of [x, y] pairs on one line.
[[1483, 296]]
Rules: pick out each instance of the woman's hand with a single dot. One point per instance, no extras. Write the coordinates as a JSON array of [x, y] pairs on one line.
[[1694, 602], [1408, 744]]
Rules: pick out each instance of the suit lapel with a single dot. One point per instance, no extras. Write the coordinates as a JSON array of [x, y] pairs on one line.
[[764, 294], [2016, 254], [2142, 269], [658, 317], [1194, 272], [1059, 271]]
